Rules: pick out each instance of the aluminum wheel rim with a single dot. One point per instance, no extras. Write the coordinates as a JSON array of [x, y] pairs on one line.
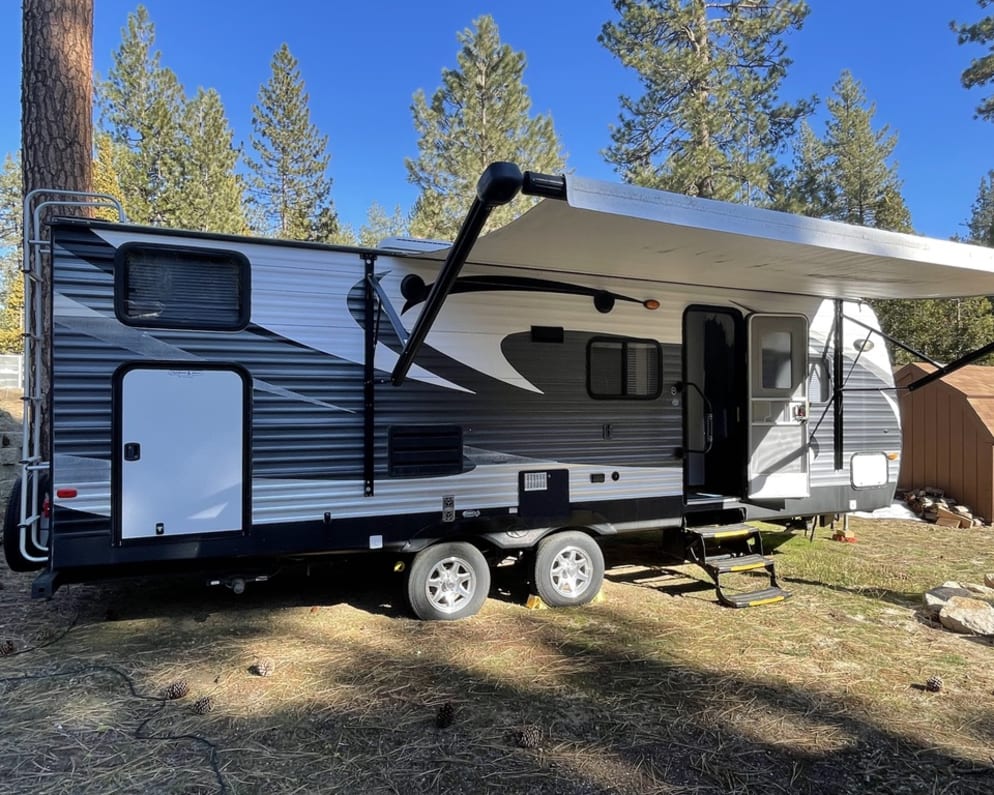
[[571, 572], [451, 584]]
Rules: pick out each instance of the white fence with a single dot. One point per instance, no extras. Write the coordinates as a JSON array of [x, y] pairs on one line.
[[11, 371]]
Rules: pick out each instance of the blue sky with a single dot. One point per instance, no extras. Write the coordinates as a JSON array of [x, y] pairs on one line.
[[362, 61]]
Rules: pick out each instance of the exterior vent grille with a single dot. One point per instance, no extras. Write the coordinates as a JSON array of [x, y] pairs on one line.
[[425, 450]]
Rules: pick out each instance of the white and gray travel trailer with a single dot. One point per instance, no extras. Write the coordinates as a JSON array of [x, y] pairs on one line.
[[616, 359]]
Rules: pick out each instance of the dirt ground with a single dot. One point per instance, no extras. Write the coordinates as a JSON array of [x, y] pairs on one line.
[[653, 689]]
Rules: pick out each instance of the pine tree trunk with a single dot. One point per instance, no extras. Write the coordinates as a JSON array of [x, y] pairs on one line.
[[57, 94], [56, 129]]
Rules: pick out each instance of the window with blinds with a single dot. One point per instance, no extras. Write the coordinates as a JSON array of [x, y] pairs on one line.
[[181, 287], [624, 368]]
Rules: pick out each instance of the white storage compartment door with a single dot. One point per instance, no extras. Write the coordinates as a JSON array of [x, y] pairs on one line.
[[182, 448]]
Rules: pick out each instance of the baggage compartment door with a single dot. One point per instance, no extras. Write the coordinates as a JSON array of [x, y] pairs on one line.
[[181, 452]]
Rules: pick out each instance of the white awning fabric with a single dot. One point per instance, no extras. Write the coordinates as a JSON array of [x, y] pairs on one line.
[[631, 232]]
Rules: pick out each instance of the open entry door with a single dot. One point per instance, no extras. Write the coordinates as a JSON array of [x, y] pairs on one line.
[[778, 406]]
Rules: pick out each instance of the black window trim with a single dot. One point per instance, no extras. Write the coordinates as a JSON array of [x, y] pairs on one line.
[[624, 341], [244, 280]]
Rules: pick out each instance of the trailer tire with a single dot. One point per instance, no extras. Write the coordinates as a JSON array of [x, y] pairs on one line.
[[448, 581], [12, 536], [569, 569]]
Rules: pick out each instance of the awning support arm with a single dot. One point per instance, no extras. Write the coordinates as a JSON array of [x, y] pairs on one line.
[[945, 370], [893, 341], [500, 183], [838, 417]]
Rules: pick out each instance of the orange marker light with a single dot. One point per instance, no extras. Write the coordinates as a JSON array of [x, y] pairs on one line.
[[650, 303]]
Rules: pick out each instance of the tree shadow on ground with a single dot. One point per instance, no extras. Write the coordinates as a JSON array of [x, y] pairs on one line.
[[563, 702]]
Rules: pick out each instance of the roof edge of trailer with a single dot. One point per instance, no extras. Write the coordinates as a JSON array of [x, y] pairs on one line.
[[396, 249]]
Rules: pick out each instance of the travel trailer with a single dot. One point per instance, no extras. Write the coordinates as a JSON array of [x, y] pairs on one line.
[[617, 359]]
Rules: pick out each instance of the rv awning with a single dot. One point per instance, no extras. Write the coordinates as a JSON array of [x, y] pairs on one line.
[[622, 230]]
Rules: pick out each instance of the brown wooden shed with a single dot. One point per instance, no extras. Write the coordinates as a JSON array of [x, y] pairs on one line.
[[948, 434]]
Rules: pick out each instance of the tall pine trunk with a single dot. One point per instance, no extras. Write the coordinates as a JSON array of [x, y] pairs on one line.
[[56, 125]]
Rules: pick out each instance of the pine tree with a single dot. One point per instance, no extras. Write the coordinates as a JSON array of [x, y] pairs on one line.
[[710, 122], [105, 179], [289, 181], [479, 115], [848, 175], [379, 225], [142, 105], [11, 236], [211, 190], [981, 223], [980, 72]]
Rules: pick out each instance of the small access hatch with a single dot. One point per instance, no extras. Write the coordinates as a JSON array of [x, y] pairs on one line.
[[182, 452]]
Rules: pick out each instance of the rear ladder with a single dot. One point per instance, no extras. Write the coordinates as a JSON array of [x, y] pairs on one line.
[[38, 206]]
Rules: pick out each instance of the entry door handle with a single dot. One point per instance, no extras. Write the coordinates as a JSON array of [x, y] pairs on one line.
[[132, 451]]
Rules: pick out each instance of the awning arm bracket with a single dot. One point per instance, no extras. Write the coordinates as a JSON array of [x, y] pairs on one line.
[[498, 185]]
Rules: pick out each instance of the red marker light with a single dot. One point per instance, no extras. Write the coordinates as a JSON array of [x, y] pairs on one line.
[[66, 494]]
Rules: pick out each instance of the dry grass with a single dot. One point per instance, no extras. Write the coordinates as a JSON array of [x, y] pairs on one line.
[[655, 689]]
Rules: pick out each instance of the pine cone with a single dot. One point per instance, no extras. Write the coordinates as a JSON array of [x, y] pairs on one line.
[[6, 647], [933, 684], [527, 737], [263, 668], [177, 689], [203, 705], [446, 713]]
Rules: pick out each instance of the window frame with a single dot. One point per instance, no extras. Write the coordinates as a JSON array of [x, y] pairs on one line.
[[237, 258], [624, 342]]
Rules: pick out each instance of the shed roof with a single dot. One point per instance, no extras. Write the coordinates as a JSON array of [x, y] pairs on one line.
[[973, 381]]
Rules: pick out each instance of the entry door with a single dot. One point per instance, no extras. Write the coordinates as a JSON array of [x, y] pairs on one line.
[[713, 401], [778, 406], [182, 452]]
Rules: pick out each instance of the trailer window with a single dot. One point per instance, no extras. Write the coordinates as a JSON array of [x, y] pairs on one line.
[[623, 369], [819, 381], [181, 287]]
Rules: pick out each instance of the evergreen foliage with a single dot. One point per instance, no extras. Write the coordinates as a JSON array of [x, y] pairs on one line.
[[709, 122], [289, 182], [105, 179], [381, 225], [141, 105], [11, 237], [981, 223], [212, 191], [980, 72], [849, 175], [479, 115]]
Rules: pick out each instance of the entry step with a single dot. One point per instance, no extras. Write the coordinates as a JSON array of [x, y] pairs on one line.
[[723, 531], [754, 599], [738, 563]]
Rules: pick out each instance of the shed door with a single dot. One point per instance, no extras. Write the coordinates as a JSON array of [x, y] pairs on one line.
[[778, 406], [182, 452]]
